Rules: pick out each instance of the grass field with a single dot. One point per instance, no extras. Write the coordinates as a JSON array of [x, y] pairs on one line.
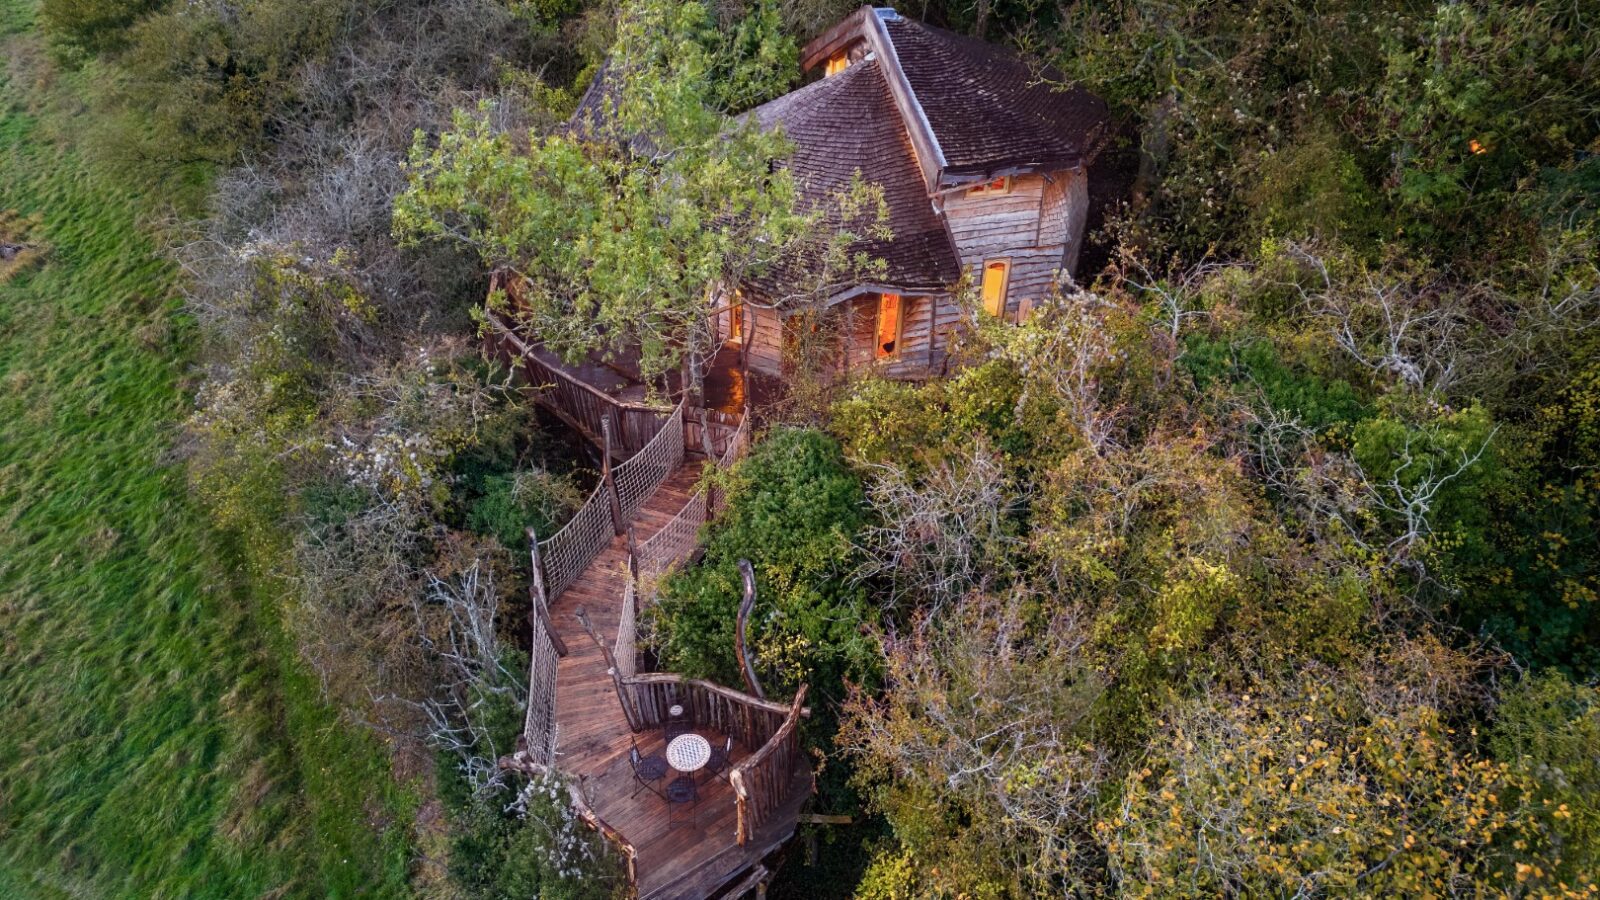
[[157, 736]]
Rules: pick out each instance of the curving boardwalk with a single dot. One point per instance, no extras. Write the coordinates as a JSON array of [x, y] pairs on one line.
[[685, 860]]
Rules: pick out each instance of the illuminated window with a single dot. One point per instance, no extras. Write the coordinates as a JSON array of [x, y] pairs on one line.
[[736, 321], [995, 276], [837, 63], [890, 308], [1001, 185]]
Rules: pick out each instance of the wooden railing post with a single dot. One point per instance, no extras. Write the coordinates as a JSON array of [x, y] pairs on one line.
[[705, 437], [610, 480], [538, 586], [539, 602]]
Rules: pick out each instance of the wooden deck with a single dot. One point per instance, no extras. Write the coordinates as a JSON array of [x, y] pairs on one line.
[[674, 861]]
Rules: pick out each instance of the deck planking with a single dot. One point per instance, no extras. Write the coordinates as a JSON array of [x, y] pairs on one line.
[[688, 860]]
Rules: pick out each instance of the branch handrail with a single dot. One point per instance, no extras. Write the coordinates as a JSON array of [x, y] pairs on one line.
[[761, 781], [781, 709], [580, 404], [580, 805]]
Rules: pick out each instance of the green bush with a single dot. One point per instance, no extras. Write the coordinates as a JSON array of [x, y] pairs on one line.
[[511, 503], [500, 852], [1250, 363], [1548, 728], [793, 509], [93, 26]]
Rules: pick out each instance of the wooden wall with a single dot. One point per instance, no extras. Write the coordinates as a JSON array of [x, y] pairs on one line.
[[921, 349], [1038, 226], [763, 330]]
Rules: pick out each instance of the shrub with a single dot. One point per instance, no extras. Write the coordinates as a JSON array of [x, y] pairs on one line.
[[516, 844], [794, 508], [1330, 783], [1548, 729], [513, 502]]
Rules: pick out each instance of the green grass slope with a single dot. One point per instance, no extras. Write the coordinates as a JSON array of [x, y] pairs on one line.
[[157, 737]]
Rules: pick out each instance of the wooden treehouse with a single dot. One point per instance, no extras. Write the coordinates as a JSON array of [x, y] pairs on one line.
[[988, 171], [985, 170]]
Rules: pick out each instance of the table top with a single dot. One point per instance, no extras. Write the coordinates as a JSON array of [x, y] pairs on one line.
[[688, 752]]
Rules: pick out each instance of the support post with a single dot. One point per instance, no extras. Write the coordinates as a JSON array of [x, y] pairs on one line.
[[633, 555], [607, 477], [539, 607], [742, 646], [705, 436]]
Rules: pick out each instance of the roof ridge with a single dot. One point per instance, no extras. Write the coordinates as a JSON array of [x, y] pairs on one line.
[[878, 34]]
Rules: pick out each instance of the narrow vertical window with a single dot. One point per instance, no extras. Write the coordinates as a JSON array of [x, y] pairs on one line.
[[888, 333], [837, 63], [995, 276], [736, 321]]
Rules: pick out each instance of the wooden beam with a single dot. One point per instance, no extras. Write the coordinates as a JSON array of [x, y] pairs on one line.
[[610, 480], [542, 615], [826, 44], [751, 882], [820, 819], [930, 156], [624, 696]]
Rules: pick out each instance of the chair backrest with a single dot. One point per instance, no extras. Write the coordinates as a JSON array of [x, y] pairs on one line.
[[633, 756]]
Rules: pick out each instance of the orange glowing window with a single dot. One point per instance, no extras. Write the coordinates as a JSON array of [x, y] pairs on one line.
[[736, 321], [996, 274], [837, 63], [1001, 185], [890, 317]]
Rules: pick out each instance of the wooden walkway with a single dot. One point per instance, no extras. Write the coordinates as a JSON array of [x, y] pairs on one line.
[[688, 860]]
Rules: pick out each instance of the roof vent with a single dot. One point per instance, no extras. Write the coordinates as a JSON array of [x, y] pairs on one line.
[[886, 13]]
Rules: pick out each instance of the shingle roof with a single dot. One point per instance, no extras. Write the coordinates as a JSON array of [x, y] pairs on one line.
[[848, 123], [988, 109]]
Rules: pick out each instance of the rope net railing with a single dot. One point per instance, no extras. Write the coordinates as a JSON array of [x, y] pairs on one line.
[[626, 651], [637, 478], [566, 554], [679, 539], [540, 726], [674, 542]]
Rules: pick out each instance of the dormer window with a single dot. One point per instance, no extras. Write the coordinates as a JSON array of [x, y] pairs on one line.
[[837, 63], [992, 187], [996, 278]]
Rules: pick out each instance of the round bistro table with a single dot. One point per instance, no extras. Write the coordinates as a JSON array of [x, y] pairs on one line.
[[688, 753]]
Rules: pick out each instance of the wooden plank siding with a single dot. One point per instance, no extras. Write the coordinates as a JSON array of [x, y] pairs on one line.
[[921, 348], [1037, 226]]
